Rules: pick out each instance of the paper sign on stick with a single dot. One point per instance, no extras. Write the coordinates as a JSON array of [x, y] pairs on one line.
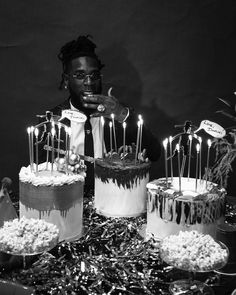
[[212, 128], [73, 116]]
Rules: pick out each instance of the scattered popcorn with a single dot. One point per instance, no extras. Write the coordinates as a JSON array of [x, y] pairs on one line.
[[27, 236], [193, 251]]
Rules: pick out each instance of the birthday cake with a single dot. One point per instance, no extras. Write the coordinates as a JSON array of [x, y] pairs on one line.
[[53, 190], [120, 186], [171, 211]]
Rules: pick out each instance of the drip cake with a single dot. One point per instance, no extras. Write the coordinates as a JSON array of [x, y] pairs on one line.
[[171, 211], [184, 203], [53, 190], [120, 185]]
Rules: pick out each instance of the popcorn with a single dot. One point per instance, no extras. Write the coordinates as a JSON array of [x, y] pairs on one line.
[[27, 236], [193, 251]]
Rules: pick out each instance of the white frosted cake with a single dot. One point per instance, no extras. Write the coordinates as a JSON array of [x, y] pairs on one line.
[[55, 197], [171, 211], [120, 187]]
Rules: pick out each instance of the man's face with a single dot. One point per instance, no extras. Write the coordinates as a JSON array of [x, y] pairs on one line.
[[83, 75]]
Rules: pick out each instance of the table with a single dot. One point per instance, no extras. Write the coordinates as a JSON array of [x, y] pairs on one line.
[[110, 258]]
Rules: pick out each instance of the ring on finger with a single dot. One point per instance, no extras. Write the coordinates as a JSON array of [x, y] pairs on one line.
[[101, 108]]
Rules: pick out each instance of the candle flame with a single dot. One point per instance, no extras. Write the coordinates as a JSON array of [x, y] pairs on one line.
[[36, 132], [170, 139], [177, 147], [200, 139], [112, 116], [28, 130], [165, 143], [209, 143], [124, 125], [110, 124], [140, 117], [198, 147], [102, 120], [53, 131], [32, 129], [190, 137]]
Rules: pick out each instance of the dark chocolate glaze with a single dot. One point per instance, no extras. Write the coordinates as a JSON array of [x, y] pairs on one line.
[[124, 175], [205, 209]]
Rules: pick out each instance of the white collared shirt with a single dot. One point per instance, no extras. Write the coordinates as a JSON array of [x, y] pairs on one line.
[[77, 136]]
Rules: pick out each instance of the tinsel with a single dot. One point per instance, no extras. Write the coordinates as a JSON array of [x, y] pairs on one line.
[[110, 258]]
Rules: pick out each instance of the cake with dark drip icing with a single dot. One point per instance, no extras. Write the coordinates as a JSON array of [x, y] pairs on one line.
[[120, 186], [171, 211], [51, 188]]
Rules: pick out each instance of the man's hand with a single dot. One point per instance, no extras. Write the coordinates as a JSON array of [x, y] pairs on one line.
[[105, 106]]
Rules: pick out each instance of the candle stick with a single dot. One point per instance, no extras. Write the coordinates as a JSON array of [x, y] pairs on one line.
[[171, 161], [114, 131], [59, 139], [208, 156], [200, 157], [32, 145], [110, 125], [124, 127], [102, 135], [198, 149], [137, 142], [66, 147], [190, 138], [53, 132], [30, 153], [36, 133], [178, 150], [47, 159], [141, 133], [165, 142]]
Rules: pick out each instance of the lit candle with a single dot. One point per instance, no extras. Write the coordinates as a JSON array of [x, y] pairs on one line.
[[59, 139], [110, 125], [178, 150], [137, 142], [66, 148], [114, 131], [165, 142], [171, 162], [36, 133], [141, 132], [53, 132], [190, 138], [208, 156], [32, 145], [198, 149], [124, 127], [30, 152], [102, 135], [200, 157]]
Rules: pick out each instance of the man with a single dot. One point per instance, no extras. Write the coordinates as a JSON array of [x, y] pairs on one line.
[[82, 78]]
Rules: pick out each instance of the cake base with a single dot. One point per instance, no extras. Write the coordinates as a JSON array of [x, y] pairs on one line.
[[60, 205]]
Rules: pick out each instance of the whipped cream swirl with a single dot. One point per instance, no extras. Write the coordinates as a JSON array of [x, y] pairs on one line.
[[48, 178]]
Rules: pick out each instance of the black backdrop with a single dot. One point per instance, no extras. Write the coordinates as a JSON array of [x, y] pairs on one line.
[[169, 59]]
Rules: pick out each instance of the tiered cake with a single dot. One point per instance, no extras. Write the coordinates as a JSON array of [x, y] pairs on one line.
[[53, 192], [120, 187], [170, 211]]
